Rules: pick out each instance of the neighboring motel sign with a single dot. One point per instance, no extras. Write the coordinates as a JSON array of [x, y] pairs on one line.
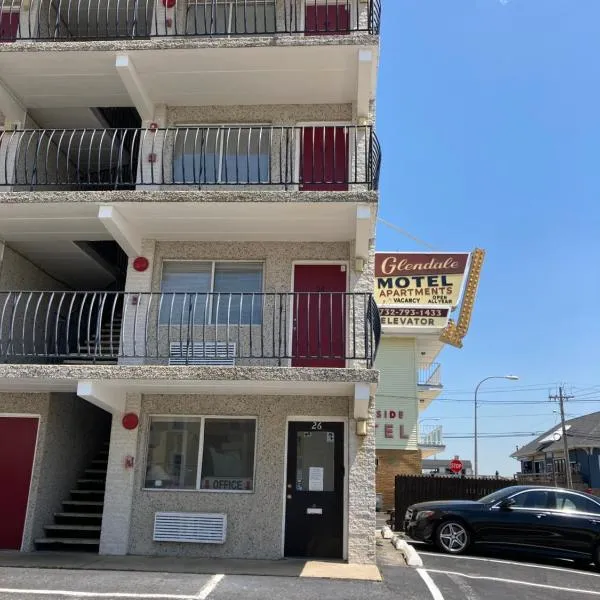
[[419, 279]]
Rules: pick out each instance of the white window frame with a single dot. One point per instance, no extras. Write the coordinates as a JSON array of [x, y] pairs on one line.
[[213, 262], [268, 126], [202, 419]]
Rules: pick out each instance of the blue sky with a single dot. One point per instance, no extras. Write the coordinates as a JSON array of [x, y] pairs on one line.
[[489, 117]]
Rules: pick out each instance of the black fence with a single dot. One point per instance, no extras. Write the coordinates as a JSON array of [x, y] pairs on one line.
[[329, 158], [271, 329], [117, 19], [410, 489]]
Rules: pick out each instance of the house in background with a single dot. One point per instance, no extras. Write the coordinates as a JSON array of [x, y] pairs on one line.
[[543, 459]]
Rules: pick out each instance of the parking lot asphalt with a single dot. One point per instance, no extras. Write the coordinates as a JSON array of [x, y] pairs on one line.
[[497, 575], [478, 576]]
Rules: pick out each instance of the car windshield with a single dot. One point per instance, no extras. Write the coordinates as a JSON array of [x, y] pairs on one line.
[[495, 496]]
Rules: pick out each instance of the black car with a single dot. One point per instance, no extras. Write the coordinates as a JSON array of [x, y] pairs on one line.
[[554, 521]]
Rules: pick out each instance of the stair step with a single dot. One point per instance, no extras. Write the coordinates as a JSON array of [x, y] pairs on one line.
[[91, 483], [77, 515], [88, 495], [74, 527], [74, 541], [96, 471]]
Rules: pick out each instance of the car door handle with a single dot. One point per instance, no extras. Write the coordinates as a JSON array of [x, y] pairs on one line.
[[541, 515], [595, 521]]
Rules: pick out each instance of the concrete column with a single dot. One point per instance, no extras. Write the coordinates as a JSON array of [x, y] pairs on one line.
[[116, 518], [135, 346], [361, 491]]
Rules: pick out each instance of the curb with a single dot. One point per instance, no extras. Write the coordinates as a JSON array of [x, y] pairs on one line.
[[408, 552]]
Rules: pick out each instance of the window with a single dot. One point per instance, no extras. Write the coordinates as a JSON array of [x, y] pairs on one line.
[[534, 499], [176, 460], [222, 155], [201, 292], [575, 503], [221, 17]]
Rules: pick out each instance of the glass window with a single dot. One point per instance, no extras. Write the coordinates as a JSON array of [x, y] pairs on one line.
[[222, 17], [173, 454], [215, 155], [315, 457], [575, 503], [227, 456], [203, 292], [532, 499]]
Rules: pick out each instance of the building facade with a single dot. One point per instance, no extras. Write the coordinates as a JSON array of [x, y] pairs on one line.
[[416, 294], [187, 329]]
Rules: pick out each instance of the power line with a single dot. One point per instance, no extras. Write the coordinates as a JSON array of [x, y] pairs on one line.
[[406, 233]]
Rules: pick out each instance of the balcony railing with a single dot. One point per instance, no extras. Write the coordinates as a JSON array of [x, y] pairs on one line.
[[429, 375], [431, 436], [268, 329], [328, 158], [135, 19]]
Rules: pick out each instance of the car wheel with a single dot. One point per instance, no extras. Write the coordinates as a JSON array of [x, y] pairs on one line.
[[452, 537]]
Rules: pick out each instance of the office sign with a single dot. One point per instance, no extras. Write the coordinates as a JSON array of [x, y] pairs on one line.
[[433, 278]]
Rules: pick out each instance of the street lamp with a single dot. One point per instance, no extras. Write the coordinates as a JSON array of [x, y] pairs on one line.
[[509, 377]]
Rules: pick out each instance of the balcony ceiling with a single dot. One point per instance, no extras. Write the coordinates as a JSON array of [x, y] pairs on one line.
[[44, 233], [208, 76]]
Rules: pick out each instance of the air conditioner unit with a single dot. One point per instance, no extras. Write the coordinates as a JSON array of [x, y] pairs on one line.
[[220, 354], [194, 528]]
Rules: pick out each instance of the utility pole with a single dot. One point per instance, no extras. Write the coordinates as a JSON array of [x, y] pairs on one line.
[[561, 399]]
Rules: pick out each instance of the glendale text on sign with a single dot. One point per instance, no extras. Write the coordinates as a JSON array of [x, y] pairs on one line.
[[414, 278]]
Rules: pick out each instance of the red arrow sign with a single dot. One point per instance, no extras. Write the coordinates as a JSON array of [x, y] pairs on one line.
[[456, 466]]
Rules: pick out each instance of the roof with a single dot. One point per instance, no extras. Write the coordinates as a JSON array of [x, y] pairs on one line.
[[442, 464], [582, 432]]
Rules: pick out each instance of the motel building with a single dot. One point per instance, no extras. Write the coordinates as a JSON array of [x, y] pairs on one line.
[[188, 195], [416, 294]]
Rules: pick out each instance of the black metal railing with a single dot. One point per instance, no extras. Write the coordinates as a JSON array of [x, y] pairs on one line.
[[303, 329], [117, 19], [329, 158]]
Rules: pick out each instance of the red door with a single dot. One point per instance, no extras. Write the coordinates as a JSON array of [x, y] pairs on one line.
[[17, 447], [9, 26], [319, 319], [324, 155], [327, 18]]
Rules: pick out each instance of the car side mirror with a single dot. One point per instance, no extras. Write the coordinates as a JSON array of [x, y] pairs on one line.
[[507, 504]]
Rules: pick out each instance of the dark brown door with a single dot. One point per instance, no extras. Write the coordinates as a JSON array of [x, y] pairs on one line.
[[319, 319], [17, 448], [9, 26], [324, 153], [328, 18], [314, 513]]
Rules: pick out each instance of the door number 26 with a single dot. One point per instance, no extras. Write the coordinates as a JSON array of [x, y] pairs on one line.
[[317, 426]]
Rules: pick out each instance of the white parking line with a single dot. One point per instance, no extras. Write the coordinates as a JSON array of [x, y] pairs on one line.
[[571, 571], [77, 594], [212, 583], [513, 581], [203, 594], [435, 591]]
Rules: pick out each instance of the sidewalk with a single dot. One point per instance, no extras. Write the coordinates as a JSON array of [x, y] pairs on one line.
[[198, 566]]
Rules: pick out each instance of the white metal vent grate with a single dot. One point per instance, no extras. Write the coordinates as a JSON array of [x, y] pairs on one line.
[[202, 353], [196, 528]]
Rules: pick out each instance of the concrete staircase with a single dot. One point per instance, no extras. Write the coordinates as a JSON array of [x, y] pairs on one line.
[[77, 527], [103, 348]]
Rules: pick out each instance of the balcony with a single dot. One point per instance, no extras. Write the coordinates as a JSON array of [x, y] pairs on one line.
[[329, 158], [334, 330], [429, 384], [73, 20], [431, 440]]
